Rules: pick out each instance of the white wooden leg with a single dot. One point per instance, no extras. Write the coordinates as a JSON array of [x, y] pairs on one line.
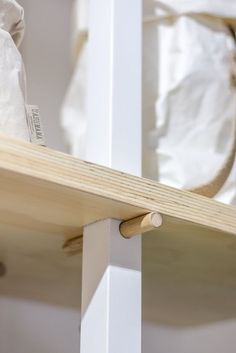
[[114, 84], [111, 298], [111, 285]]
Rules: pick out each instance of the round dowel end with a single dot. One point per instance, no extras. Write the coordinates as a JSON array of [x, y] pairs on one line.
[[141, 224], [156, 219]]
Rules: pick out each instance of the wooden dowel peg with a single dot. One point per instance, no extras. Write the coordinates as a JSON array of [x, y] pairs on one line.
[[128, 229], [141, 224], [74, 245]]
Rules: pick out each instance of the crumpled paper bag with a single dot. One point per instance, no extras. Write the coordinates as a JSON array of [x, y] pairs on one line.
[[12, 75], [189, 130]]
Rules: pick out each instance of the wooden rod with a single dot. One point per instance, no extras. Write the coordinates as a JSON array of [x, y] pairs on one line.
[[141, 224], [128, 229], [73, 246]]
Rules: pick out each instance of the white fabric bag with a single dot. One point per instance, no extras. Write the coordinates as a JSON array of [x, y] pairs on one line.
[[12, 75], [193, 131], [189, 102]]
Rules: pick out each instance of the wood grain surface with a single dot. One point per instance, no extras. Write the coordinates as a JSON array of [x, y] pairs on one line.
[[189, 263], [47, 190]]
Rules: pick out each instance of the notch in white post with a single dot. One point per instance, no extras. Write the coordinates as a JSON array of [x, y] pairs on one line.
[[111, 284]]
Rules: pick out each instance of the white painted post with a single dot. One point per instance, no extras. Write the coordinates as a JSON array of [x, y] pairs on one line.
[[111, 284]]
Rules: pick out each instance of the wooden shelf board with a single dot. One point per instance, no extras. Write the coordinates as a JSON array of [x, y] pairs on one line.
[[50, 190], [189, 264]]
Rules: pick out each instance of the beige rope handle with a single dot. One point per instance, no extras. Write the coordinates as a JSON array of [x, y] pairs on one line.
[[213, 187]]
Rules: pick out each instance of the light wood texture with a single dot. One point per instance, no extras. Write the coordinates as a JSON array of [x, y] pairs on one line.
[[189, 275], [189, 263], [140, 225], [51, 191]]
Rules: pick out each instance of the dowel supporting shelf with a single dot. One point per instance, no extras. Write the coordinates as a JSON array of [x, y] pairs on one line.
[[46, 196], [48, 190], [140, 225], [74, 245], [128, 229]]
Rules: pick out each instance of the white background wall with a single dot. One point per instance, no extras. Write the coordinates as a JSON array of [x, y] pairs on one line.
[[34, 327], [27, 326]]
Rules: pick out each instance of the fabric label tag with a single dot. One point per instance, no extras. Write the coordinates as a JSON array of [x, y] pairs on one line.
[[35, 125]]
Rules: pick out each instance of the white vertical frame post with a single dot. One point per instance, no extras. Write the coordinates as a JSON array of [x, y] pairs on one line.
[[111, 284]]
